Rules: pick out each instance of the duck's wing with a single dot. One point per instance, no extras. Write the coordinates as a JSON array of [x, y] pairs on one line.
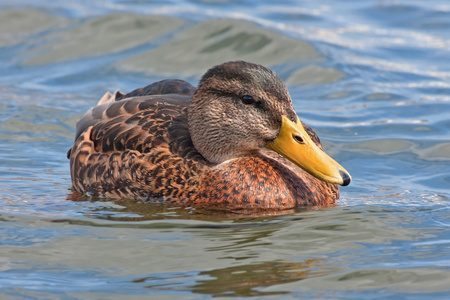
[[141, 123], [163, 87], [135, 121], [135, 147], [174, 87]]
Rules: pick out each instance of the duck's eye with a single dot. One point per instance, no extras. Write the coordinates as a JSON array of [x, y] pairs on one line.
[[247, 99]]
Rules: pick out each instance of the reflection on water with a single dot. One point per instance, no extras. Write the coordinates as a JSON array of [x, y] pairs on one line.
[[373, 84], [249, 280], [240, 281], [130, 210]]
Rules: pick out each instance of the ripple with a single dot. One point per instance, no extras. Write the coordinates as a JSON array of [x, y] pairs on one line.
[[371, 82], [207, 43]]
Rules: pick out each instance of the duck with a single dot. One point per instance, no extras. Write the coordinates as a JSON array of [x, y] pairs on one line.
[[233, 143]]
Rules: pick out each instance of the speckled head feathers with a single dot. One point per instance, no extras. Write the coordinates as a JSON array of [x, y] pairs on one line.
[[240, 77], [222, 125]]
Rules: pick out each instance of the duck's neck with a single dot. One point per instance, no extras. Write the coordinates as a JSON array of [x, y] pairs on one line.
[[205, 133]]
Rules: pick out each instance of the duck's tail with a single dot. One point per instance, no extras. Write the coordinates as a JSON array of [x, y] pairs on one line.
[[108, 97]]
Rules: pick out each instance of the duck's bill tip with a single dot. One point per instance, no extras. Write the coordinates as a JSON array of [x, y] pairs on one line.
[[346, 178]]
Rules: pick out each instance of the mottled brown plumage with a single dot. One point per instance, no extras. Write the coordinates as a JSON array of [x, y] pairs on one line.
[[172, 143]]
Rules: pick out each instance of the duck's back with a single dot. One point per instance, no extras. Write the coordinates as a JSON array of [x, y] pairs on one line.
[[129, 138], [176, 93]]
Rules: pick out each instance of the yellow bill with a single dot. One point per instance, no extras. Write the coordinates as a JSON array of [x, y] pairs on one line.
[[294, 143]]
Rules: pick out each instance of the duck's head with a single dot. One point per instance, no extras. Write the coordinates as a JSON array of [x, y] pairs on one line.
[[240, 108]]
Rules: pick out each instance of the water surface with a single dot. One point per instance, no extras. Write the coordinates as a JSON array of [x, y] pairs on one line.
[[371, 77]]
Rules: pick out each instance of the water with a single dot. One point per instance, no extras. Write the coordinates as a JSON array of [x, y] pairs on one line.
[[373, 79]]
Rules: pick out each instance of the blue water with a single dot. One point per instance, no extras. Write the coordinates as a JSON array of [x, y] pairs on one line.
[[371, 77]]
